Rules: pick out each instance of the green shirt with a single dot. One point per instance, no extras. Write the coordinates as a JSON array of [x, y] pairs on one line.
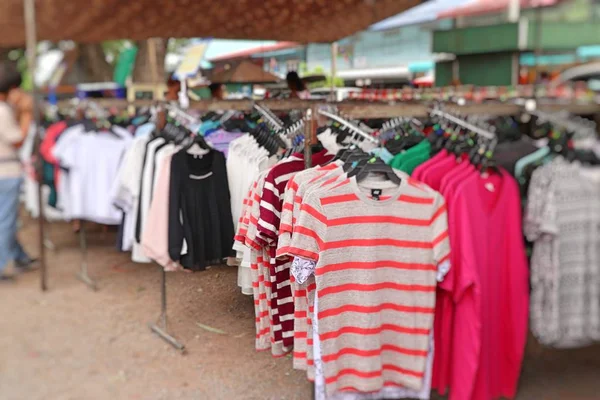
[[410, 159]]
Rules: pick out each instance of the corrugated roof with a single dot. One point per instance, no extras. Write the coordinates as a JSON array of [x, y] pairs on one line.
[[304, 21], [491, 6], [245, 72], [420, 14], [255, 50]]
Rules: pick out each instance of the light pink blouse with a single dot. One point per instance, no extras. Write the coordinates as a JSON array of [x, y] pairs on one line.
[[155, 236]]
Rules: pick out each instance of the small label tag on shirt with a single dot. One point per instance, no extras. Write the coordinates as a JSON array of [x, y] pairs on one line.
[[200, 177], [376, 193]]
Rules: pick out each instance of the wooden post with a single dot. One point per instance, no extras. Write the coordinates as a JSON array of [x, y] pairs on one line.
[[31, 43], [153, 68], [334, 54]]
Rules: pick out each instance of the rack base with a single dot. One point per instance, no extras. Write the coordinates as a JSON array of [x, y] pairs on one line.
[[84, 277], [166, 337]]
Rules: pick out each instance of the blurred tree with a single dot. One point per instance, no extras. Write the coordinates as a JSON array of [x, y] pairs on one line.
[[113, 48], [93, 62], [142, 71]]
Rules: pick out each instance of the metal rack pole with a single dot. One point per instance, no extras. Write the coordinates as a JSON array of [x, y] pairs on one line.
[[83, 271], [308, 130], [160, 327], [308, 139]]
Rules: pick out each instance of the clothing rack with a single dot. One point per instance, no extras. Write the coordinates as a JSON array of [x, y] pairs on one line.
[[269, 117], [177, 112], [348, 125], [83, 275], [395, 122], [464, 124], [160, 326], [570, 122]]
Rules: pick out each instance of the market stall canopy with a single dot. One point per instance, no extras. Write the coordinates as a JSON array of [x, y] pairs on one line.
[[244, 72], [306, 21]]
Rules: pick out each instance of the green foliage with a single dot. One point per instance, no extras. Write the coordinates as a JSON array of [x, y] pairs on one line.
[[339, 82], [113, 48]]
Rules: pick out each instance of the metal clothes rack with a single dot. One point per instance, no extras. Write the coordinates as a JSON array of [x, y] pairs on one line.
[[349, 125], [83, 275], [160, 326], [269, 117], [464, 124], [570, 122]]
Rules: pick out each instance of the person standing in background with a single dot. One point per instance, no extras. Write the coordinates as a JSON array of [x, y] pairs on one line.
[[296, 86], [173, 89], [217, 91], [16, 116]]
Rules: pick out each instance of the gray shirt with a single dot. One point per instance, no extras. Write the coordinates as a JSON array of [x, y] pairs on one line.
[[563, 219]]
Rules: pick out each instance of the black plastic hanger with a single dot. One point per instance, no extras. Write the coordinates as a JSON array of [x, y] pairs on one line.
[[378, 166]]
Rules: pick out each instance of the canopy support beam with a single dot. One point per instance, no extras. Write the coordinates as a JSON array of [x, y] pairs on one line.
[[334, 54]]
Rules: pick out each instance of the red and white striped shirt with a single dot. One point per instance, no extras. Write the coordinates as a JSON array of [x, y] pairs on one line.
[[376, 278], [300, 184]]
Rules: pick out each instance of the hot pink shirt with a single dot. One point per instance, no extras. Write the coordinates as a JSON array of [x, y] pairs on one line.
[[444, 166], [420, 170], [491, 290]]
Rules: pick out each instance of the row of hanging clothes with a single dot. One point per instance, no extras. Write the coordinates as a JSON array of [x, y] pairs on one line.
[[80, 154], [562, 224], [353, 302], [482, 304], [351, 265], [176, 183], [172, 187]]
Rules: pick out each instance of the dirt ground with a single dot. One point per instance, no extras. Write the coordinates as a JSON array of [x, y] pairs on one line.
[[71, 343]]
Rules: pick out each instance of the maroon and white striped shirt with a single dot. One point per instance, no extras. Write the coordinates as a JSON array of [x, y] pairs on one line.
[[268, 227]]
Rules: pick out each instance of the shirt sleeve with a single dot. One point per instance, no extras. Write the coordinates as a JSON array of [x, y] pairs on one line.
[[10, 132], [252, 240], [268, 222], [287, 222], [309, 231], [175, 225], [538, 210], [439, 233]]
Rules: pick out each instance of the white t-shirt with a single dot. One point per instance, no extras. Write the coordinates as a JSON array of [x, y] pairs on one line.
[[126, 191], [93, 161]]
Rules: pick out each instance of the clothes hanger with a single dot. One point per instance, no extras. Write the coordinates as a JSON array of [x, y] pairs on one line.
[[377, 166], [354, 158], [198, 147]]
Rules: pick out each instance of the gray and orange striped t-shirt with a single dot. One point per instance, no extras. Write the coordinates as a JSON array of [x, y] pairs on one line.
[[377, 246]]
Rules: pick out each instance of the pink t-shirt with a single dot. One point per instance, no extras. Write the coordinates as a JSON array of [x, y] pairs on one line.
[[455, 173], [434, 175], [490, 288], [420, 170], [438, 167]]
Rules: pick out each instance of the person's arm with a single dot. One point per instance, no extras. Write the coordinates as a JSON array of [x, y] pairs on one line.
[[9, 128], [25, 114]]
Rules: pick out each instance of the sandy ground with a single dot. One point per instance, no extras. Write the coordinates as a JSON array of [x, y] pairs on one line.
[[73, 343]]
